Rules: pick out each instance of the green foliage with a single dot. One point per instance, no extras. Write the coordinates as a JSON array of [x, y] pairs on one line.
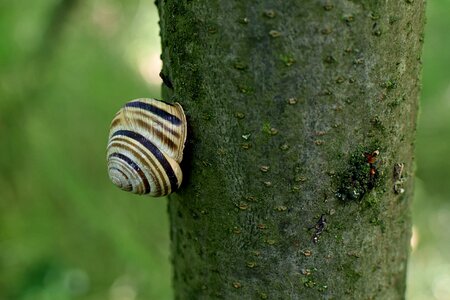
[[431, 208], [65, 231]]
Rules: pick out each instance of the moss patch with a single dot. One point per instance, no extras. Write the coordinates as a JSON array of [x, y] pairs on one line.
[[360, 176]]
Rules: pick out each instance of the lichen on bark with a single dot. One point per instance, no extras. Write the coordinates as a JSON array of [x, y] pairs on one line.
[[283, 98]]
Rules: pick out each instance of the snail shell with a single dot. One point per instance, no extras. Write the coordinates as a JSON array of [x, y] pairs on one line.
[[145, 147]]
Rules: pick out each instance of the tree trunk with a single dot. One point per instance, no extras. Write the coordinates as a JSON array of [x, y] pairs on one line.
[[298, 171]]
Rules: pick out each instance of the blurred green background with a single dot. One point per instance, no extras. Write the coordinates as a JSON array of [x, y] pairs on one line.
[[66, 66]]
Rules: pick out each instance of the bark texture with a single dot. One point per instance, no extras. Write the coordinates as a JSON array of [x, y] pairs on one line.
[[301, 116]]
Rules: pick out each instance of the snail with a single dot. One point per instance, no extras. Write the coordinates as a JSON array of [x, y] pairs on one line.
[[145, 147]]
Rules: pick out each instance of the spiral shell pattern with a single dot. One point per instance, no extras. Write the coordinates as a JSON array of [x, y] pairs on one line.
[[145, 147]]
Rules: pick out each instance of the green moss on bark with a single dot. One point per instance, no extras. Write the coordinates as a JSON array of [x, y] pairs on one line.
[[362, 174], [302, 88]]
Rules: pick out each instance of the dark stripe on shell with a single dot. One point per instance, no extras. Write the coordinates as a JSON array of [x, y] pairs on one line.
[[123, 165], [153, 119], [115, 122], [135, 167], [123, 143], [155, 151], [129, 170], [159, 134], [128, 187], [121, 172], [155, 110]]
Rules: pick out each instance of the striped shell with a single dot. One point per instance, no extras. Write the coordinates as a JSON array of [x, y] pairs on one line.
[[145, 147]]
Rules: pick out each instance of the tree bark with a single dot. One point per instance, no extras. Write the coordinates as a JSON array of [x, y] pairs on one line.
[[299, 160]]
